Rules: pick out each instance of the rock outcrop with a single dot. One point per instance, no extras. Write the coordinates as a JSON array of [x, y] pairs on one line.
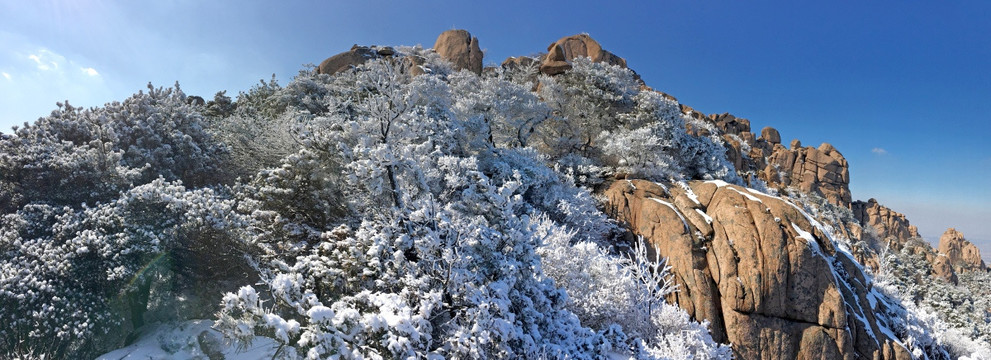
[[766, 277], [891, 227], [517, 62], [961, 254], [822, 171], [356, 56], [770, 135], [461, 49], [943, 269], [561, 52]]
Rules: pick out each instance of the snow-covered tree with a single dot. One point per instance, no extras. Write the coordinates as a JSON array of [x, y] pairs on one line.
[[585, 101], [611, 293], [505, 113], [602, 117], [89, 155], [82, 278], [440, 253], [370, 214]]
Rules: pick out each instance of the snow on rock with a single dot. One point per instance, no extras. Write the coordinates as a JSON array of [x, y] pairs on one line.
[[682, 217], [808, 238], [718, 183], [689, 193], [705, 216], [783, 280]]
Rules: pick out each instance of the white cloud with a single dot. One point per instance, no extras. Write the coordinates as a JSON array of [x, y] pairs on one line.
[[35, 77], [46, 60], [37, 60], [879, 151]]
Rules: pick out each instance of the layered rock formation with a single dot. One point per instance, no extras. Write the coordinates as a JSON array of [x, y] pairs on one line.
[[961, 254], [461, 49], [891, 227], [822, 171], [561, 52], [768, 278]]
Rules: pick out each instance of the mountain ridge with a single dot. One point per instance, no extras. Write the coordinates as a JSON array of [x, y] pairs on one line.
[[398, 202]]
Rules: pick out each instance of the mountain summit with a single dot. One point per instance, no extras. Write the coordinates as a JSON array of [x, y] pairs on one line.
[[403, 202]]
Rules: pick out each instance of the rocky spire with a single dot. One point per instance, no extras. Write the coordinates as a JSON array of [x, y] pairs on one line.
[[461, 49], [962, 254]]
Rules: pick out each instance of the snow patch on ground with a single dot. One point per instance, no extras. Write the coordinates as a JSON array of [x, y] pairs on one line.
[[194, 339]]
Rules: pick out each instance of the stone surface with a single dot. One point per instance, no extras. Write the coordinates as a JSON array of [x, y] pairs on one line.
[[516, 62], [730, 124], [554, 62], [892, 228], [561, 52], [756, 269], [356, 56], [386, 51], [770, 135], [822, 171], [943, 269], [960, 253], [461, 49], [211, 345]]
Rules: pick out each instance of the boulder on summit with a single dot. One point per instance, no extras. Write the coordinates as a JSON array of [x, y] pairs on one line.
[[461, 49], [561, 52]]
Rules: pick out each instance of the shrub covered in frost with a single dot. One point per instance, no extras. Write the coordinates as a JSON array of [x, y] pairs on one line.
[[432, 239], [601, 113], [81, 278], [76, 156], [368, 214]]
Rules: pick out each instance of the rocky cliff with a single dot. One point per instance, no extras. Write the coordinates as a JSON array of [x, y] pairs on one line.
[[763, 272], [891, 227], [766, 275], [822, 170], [961, 254]]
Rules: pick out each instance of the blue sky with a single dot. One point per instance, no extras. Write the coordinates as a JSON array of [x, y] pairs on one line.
[[901, 88]]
